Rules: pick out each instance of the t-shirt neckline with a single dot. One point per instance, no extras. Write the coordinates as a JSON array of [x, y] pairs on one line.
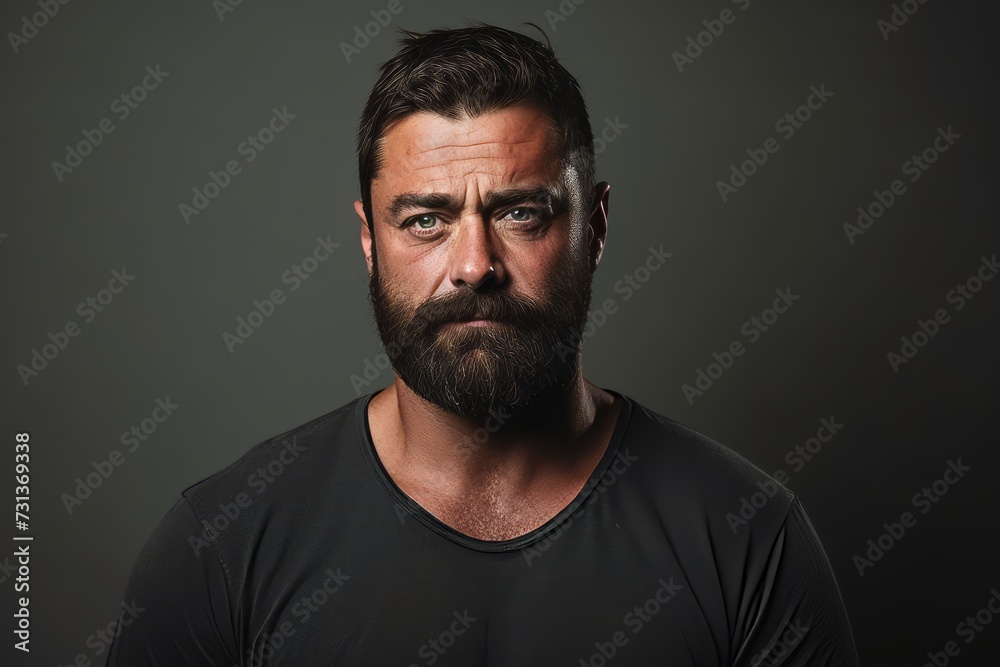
[[413, 508]]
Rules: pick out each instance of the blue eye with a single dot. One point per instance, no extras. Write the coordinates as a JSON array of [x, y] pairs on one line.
[[523, 214]]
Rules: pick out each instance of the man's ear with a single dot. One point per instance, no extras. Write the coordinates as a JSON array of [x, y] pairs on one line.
[[597, 225], [366, 235]]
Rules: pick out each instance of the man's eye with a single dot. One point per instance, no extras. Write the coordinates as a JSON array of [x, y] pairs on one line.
[[523, 214], [426, 222]]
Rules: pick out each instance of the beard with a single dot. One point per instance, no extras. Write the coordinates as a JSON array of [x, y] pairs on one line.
[[530, 348]]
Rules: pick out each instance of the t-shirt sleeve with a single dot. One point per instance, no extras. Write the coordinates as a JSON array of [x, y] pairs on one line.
[[181, 612], [801, 620]]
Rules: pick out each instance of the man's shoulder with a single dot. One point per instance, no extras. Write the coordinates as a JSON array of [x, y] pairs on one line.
[[288, 457], [689, 469]]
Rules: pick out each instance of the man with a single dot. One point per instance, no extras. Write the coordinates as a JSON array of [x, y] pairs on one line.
[[491, 506]]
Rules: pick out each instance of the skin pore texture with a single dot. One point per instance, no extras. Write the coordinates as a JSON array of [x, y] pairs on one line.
[[542, 454]]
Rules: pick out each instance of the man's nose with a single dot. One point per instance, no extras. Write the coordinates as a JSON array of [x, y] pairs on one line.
[[474, 261]]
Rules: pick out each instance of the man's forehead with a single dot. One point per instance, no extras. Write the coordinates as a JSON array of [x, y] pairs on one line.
[[517, 138]]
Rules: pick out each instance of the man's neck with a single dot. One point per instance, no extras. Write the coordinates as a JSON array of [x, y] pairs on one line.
[[541, 455]]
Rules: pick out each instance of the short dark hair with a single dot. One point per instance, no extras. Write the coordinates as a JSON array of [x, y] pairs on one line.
[[473, 71]]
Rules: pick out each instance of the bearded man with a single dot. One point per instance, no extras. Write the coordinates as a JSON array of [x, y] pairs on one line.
[[490, 506]]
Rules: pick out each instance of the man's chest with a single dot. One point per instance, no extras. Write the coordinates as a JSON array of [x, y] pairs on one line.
[[495, 519], [544, 607], [493, 511]]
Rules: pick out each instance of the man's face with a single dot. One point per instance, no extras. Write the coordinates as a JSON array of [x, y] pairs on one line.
[[482, 278]]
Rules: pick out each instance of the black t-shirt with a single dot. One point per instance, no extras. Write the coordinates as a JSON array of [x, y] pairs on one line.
[[304, 552]]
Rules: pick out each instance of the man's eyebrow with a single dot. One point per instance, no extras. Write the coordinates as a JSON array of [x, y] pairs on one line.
[[553, 198]]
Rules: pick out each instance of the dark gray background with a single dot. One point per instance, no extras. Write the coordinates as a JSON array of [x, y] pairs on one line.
[[162, 336]]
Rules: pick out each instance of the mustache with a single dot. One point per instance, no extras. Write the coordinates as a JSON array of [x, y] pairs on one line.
[[466, 304]]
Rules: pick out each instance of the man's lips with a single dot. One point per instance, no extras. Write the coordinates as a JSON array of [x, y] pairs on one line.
[[470, 322]]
